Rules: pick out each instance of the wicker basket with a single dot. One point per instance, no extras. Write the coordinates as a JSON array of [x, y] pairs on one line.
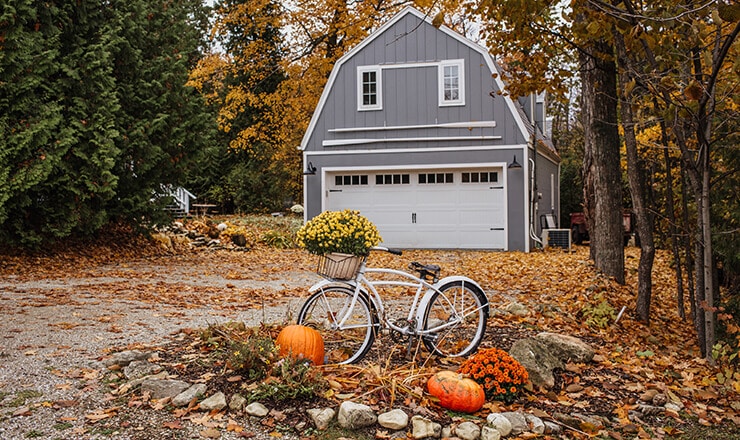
[[339, 266]]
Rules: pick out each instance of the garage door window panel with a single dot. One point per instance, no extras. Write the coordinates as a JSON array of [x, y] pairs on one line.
[[351, 180], [436, 178], [392, 179]]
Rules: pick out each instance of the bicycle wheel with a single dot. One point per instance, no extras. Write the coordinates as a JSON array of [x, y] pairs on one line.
[[326, 309], [460, 311]]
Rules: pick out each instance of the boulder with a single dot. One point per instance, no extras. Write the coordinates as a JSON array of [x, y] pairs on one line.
[[537, 360], [566, 348]]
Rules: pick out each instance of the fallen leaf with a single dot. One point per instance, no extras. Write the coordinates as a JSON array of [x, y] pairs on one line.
[[172, 425], [210, 433]]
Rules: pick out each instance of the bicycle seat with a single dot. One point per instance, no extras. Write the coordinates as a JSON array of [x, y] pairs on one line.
[[426, 270]]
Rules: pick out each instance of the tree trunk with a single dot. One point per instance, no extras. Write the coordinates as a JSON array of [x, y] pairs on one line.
[[670, 208], [601, 169], [636, 174]]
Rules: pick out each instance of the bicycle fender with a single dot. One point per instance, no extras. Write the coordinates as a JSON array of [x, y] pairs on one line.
[[326, 283], [424, 302]]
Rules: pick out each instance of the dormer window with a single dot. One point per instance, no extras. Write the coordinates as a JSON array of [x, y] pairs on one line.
[[369, 88], [451, 83]]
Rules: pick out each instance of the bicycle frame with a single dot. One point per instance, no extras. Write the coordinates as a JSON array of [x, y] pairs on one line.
[[403, 279]]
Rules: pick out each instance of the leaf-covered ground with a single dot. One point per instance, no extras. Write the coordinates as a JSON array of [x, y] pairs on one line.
[[561, 292]]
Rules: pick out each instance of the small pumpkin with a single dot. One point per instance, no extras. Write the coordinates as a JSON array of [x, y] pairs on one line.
[[301, 342], [456, 392]]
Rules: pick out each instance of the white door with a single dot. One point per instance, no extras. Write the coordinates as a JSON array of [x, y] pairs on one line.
[[435, 209]]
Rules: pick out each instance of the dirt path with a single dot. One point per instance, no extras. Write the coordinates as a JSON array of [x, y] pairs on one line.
[[58, 325]]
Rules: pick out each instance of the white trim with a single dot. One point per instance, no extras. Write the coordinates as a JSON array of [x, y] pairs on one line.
[[497, 76], [526, 177], [415, 150], [412, 65], [470, 124], [378, 88], [456, 166], [460, 101], [344, 142]]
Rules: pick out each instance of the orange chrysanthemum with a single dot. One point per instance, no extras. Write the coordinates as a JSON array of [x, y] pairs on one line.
[[501, 376]]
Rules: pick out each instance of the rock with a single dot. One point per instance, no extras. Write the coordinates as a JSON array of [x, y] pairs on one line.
[[537, 360], [467, 431], [566, 348], [128, 386], [516, 309], [321, 417], [500, 423], [215, 402], [355, 415], [552, 428], [163, 388], [490, 433], [396, 419], [518, 422], [256, 409], [237, 402], [187, 396], [138, 369], [536, 425], [421, 427], [124, 358]]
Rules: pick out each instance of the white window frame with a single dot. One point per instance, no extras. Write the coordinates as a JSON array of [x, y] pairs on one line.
[[378, 88], [460, 64]]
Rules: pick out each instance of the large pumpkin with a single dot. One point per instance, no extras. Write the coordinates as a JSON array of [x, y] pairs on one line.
[[301, 342], [455, 392]]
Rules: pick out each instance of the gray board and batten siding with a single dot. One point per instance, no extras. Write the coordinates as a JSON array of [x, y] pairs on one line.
[[410, 129]]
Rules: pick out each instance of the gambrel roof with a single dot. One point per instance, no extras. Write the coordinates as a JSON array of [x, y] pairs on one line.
[[523, 125]]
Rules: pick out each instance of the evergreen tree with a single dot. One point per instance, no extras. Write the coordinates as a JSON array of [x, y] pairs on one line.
[[94, 112], [163, 123], [57, 120]]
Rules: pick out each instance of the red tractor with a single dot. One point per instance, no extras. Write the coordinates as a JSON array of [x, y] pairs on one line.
[[579, 226]]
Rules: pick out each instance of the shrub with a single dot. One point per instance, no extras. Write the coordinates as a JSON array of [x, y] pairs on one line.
[[290, 378], [252, 357], [599, 316], [501, 376]]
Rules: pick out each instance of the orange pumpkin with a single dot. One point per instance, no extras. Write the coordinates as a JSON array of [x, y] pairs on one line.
[[456, 392], [301, 342]]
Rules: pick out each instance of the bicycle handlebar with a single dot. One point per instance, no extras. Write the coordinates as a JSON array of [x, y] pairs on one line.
[[389, 250]]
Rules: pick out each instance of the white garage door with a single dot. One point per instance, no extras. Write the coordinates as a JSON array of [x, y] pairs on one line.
[[436, 209]]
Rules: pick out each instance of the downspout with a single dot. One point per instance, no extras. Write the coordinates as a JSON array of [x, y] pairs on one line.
[[533, 198]]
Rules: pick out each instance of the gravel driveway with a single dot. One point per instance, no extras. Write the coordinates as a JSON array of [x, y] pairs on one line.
[[58, 325]]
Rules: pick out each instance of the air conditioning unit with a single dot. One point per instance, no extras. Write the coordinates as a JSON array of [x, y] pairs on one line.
[[556, 238]]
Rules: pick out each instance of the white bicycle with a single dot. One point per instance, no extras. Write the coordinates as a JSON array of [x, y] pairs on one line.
[[448, 315]]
